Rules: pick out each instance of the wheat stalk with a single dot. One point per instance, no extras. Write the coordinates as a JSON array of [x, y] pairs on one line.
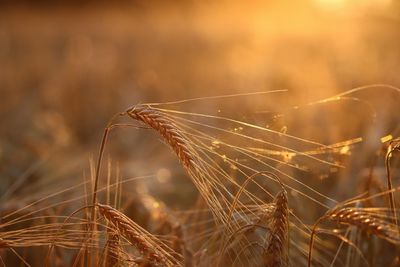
[[159, 123]]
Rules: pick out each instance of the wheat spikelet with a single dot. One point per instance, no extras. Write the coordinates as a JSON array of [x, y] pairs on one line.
[[135, 238], [166, 128], [278, 239]]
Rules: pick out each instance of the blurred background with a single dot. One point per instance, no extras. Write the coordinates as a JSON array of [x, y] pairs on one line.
[[67, 66]]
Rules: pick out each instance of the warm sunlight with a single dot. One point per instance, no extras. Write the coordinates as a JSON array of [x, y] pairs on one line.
[[343, 4], [199, 133], [331, 4]]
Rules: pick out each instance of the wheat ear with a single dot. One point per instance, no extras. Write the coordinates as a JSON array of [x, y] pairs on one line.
[[166, 128], [364, 221], [274, 256], [125, 228]]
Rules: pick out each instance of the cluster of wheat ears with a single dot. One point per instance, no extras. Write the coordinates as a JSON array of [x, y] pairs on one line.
[[256, 206]]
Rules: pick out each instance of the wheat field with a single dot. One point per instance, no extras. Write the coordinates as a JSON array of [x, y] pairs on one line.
[[199, 134]]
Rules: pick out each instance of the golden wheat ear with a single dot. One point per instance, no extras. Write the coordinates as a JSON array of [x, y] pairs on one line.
[[166, 128], [367, 222], [124, 226], [277, 245], [362, 218], [152, 250]]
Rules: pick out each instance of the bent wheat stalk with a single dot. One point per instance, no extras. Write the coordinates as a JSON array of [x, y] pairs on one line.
[[159, 123], [394, 146]]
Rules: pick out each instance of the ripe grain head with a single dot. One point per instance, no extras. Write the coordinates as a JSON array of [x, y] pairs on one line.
[[166, 128]]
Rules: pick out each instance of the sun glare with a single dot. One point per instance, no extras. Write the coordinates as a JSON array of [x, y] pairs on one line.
[[346, 4]]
